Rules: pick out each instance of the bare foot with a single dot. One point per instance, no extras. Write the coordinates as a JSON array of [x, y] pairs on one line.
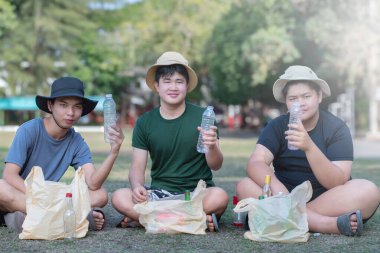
[[98, 219], [210, 224], [128, 223], [354, 222]]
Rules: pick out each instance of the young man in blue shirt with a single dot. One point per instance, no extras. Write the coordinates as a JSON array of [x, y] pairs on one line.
[[52, 144]]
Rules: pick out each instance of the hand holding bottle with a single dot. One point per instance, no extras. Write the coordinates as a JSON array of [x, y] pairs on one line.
[[209, 137], [298, 137], [110, 117], [205, 139]]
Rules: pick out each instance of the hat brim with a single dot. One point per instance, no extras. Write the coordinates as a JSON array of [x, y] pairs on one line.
[[280, 84], [88, 104], [150, 76]]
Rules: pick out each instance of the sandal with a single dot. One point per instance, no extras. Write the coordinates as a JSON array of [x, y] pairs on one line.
[[130, 224], [90, 218], [2, 221], [344, 224], [215, 222]]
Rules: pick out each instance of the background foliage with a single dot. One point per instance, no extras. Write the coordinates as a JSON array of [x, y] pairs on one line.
[[237, 47]]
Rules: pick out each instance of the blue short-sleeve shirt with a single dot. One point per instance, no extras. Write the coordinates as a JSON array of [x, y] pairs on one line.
[[32, 146]]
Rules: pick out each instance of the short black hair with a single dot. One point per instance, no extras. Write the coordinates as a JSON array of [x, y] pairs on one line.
[[169, 70], [309, 83]]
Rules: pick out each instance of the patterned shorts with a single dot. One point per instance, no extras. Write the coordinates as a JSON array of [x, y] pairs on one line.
[[158, 194]]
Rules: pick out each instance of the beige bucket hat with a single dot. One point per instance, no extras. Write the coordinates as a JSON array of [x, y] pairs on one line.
[[297, 72], [171, 58]]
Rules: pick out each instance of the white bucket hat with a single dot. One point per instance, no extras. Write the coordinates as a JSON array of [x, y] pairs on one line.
[[298, 73], [171, 58]]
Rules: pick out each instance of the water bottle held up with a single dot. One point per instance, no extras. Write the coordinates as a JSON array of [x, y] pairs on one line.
[[208, 120], [109, 113], [69, 218], [294, 118]]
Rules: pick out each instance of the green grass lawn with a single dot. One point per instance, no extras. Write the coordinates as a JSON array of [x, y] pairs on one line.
[[230, 239]]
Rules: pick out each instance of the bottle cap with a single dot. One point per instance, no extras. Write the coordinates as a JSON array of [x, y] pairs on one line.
[[267, 179], [69, 195], [108, 95], [235, 200], [261, 197]]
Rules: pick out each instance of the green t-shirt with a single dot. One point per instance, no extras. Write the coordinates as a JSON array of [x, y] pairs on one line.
[[176, 164]]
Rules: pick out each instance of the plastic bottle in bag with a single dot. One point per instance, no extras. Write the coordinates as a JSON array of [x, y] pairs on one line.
[[208, 120], [109, 113], [69, 218], [238, 217], [266, 188]]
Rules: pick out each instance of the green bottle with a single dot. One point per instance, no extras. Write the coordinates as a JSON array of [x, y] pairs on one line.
[[187, 195]]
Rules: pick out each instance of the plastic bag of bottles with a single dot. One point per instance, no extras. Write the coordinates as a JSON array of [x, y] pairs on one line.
[[280, 218], [175, 216], [46, 204]]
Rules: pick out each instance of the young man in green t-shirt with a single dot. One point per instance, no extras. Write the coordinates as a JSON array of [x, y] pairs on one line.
[[169, 134]]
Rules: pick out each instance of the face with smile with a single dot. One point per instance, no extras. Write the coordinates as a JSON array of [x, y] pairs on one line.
[[172, 89], [308, 97], [66, 111]]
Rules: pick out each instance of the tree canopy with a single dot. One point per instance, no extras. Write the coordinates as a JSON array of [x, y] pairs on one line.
[[237, 47]]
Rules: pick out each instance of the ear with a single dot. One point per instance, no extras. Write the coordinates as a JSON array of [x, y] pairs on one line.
[[49, 104], [156, 86], [320, 96]]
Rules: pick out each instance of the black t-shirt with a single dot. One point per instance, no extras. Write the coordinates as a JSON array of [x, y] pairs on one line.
[[332, 137]]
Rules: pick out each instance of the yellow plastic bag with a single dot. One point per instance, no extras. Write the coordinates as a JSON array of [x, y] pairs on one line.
[[175, 216], [280, 218], [46, 203]]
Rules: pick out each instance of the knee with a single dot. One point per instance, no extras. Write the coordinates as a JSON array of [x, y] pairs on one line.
[[103, 197], [99, 198], [218, 197], [223, 196], [120, 198], [372, 190], [5, 192], [241, 186]]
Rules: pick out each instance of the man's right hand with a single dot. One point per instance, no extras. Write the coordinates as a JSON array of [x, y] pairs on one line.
[[139, 194]]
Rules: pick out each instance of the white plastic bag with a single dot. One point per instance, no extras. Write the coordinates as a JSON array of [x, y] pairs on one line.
[[175, 216], [280, 218], [46, 203]]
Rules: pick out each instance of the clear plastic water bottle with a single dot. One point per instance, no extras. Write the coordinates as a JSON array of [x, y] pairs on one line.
[[294, 118], [109, 113], [69, 218], [238, 217], [208, 120]]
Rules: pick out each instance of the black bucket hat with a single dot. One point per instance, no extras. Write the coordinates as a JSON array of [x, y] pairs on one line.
[[66, 87]]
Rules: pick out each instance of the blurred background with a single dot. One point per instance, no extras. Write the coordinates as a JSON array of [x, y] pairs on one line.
[[237, 47]]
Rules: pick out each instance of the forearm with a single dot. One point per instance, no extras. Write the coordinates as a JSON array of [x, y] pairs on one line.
[[100, 175], [136, 178], [257, 171], [327, 173], [214, 158], [11, 175], [16, 182]]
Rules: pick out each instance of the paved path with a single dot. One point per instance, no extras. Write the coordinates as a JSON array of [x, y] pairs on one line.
[[366, 148]]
